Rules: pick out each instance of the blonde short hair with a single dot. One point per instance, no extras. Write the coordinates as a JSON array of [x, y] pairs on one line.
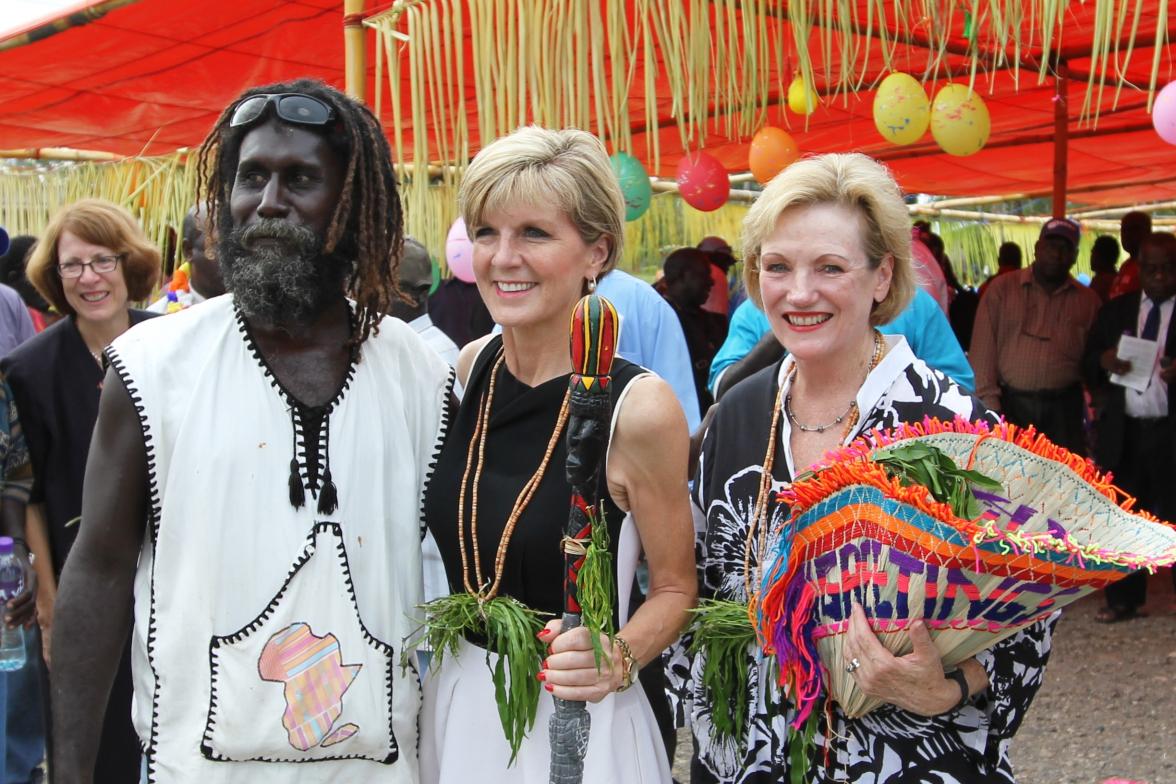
[[534, 165], [851, 180], [98, 222]]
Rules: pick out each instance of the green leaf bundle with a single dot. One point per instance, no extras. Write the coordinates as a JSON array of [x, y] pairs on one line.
[[922, 464], [509, 628], [597, 586], [722, 632]]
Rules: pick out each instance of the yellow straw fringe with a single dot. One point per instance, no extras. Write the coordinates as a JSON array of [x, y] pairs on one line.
[[562, 63], [706, 66]]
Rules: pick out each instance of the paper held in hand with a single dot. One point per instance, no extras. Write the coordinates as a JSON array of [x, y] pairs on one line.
[[1142, 356]]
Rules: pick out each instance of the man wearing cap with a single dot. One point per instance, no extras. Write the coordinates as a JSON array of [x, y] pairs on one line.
[[1030, 332], [721, 258]]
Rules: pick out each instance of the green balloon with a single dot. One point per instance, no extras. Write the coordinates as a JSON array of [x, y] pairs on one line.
[[634, 181], [436, 275]]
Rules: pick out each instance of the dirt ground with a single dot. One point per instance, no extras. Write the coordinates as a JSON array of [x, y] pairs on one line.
[[1107, 708]]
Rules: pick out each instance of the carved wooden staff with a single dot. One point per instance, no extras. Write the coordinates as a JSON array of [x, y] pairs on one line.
[[594, 344]]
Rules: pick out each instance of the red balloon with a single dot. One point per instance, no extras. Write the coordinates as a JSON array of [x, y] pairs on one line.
[[703, 182]]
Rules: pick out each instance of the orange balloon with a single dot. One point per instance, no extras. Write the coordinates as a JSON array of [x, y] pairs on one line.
[[772, 151]]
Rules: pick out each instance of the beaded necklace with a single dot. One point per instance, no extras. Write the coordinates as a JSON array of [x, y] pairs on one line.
[[478, 445]]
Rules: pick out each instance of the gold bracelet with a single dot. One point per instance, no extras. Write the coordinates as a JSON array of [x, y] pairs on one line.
[[629, 662]]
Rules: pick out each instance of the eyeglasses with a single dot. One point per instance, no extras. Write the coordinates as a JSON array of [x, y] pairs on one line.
[[292, 107], [100, 264]]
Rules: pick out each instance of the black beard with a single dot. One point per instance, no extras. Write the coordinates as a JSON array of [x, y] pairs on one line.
[[286, 279]]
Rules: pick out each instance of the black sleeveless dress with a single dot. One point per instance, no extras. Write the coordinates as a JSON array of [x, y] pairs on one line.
[[461, 739], [521, 421]]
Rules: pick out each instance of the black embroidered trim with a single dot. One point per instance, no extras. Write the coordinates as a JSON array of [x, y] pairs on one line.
[[308, 550], [298, 411], [438, 443], [156, 509]]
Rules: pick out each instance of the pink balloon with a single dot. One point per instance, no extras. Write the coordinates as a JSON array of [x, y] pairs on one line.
[[1164, 113], [703, 182], [459, 252]]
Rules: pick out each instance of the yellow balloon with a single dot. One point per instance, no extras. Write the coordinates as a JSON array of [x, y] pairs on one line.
[[959, 120], [796, 96], [901, 109]]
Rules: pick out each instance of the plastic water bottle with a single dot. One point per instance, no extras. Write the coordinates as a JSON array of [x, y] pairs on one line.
[[12, 647]]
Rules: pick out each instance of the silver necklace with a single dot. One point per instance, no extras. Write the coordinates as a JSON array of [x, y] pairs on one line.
[[814, 428], [874, 359]]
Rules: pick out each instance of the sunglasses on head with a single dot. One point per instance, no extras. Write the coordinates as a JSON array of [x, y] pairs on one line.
[[292, 107]]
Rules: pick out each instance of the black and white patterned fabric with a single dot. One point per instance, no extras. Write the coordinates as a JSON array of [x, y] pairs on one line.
[[888, 745]]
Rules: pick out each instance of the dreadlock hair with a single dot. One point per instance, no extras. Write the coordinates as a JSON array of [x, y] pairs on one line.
[[367, 227]]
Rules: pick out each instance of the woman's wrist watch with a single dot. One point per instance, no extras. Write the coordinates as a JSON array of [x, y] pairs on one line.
[[628, 663], [961, 679]]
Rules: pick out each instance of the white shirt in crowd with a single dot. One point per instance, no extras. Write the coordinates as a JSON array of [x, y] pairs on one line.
[[1153, 401], [435, 338]]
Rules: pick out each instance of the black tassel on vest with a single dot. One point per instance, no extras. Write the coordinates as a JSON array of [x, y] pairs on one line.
[[328, 497], [328, 500], [297, 492]]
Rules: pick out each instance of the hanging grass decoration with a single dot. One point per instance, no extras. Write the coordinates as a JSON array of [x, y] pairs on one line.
[[928, 466], [596, 585], [509, 628], [722, 632]]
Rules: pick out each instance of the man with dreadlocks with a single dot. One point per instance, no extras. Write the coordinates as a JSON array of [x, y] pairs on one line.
[[258, 474]]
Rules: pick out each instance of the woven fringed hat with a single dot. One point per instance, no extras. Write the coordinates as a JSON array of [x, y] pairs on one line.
[[1055, 531]]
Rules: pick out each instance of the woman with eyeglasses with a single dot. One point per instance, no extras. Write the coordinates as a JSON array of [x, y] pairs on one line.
[[92, 261], [827, 256]]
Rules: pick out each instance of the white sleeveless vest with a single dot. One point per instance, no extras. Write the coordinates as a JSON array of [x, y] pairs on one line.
[[267, 638]]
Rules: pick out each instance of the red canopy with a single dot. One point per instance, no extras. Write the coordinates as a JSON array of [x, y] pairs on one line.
[[151, 77]]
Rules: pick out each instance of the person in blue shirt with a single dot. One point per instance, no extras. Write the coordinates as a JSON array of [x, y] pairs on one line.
[[651, 336], [750, 343]]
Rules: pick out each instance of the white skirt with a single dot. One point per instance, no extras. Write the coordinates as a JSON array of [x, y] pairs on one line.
[[462, 740]]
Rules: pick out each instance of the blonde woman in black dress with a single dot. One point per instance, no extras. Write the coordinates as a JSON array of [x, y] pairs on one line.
[[545, 215]]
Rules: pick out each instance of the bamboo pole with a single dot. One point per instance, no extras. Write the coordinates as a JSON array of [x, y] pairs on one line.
[[59, 154], [1108, 211], [1061, 142], [76, 19], [973, 201], [994, 217], [354, 49], [1037, 194], [670, 186]]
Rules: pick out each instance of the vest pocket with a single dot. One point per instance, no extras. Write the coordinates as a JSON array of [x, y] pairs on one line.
[[304, 681]]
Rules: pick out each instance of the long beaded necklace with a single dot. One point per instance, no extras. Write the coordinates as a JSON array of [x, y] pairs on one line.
[[478, 446]]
